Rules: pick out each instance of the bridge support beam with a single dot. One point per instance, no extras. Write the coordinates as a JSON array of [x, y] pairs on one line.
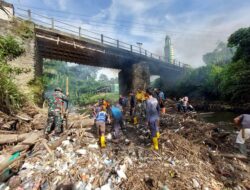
[[134, 77]]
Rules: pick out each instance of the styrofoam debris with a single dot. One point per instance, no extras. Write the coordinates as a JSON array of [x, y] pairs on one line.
[[93, 146], [81, 151]]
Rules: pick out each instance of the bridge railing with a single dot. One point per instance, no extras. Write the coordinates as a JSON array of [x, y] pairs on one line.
[[56, 24]]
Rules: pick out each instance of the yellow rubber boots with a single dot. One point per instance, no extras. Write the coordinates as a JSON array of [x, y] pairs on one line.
[[135, 121], [158, 134], [155, 143], [102, 141]]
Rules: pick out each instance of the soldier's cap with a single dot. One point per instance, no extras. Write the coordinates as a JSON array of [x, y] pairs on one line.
[[58, 89]]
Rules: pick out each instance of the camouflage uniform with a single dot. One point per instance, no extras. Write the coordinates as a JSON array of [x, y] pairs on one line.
[[55, 117]]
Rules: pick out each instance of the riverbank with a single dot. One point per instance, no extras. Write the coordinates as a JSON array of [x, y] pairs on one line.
[[218, 106], [192, 154]]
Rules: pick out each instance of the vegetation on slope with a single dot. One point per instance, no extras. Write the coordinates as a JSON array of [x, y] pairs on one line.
[[10, 97]]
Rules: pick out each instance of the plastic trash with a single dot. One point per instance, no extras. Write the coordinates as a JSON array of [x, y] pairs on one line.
[[121, 174], [88, 187], [107, 161], [106, 187], [81, 151], [79, 185], [3, 186], [65, 143], [95, 146], [27, 165], [109, 136], [165, 187], [195, 183]]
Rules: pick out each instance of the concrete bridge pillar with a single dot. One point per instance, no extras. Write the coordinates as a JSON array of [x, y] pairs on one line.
[[38, 63], [134, 77]]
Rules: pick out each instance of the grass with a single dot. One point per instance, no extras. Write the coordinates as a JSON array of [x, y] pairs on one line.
[[86, 99]]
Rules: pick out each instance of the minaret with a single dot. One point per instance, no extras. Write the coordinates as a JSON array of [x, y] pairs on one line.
[[168, 50]]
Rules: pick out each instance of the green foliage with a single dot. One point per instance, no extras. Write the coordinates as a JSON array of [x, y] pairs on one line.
[[201, 82], [220, 81], [90, 98], [235, 83], [221, 55], [9, 48], [37, 88], [10, 97], [241, 40], [82, 80], [24, 29]]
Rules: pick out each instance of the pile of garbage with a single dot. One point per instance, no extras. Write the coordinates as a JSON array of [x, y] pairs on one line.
[[190, 156]]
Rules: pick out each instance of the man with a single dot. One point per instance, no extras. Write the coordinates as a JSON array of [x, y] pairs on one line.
[[140, 104], [55, 111], [117, 120], [132, 108], [123, 103], [161, 101], [244, 134], [101, 119], [152, 117]]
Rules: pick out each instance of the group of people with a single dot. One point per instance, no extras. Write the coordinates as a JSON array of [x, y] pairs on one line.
[[147, 105], [143, 105]]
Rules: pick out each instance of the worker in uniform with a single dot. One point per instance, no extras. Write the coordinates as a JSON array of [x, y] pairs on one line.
[[244, 122], [100, 122], [152, 117], [56, 111]]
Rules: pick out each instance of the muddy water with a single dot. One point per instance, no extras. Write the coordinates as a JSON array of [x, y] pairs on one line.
[[223, 119], [216, 117]]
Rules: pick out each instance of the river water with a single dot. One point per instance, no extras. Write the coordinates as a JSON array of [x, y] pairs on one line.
[[216, 117]]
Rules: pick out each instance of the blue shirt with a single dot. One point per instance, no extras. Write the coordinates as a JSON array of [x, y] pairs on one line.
[[116, 112], [161, 95], [101, 116]]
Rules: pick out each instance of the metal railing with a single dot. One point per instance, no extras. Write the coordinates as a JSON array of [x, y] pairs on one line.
[[52, 23]]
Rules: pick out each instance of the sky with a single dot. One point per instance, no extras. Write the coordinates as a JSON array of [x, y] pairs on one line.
[[194, 26]]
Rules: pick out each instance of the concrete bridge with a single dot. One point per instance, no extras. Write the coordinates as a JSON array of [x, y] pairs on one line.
[[61, 41]]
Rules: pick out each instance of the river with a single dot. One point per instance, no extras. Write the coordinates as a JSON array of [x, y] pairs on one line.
[[223, 119], [216, 117]]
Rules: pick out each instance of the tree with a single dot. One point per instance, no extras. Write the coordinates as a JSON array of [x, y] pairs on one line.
[[241, 40], [103, 78], [10, 97]]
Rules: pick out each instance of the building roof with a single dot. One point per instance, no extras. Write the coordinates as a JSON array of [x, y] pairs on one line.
[[6, 4]]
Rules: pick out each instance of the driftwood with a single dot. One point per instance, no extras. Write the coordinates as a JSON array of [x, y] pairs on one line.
[[6, 163], [26, 118], [29, 141], [21, 147], [81, 123], [238, 156], [12, 138], [58, 142]]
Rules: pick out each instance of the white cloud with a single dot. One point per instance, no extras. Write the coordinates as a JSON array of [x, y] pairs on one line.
[[192, 34]]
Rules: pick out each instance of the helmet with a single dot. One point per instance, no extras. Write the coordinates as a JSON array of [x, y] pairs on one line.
[[58, 89]]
